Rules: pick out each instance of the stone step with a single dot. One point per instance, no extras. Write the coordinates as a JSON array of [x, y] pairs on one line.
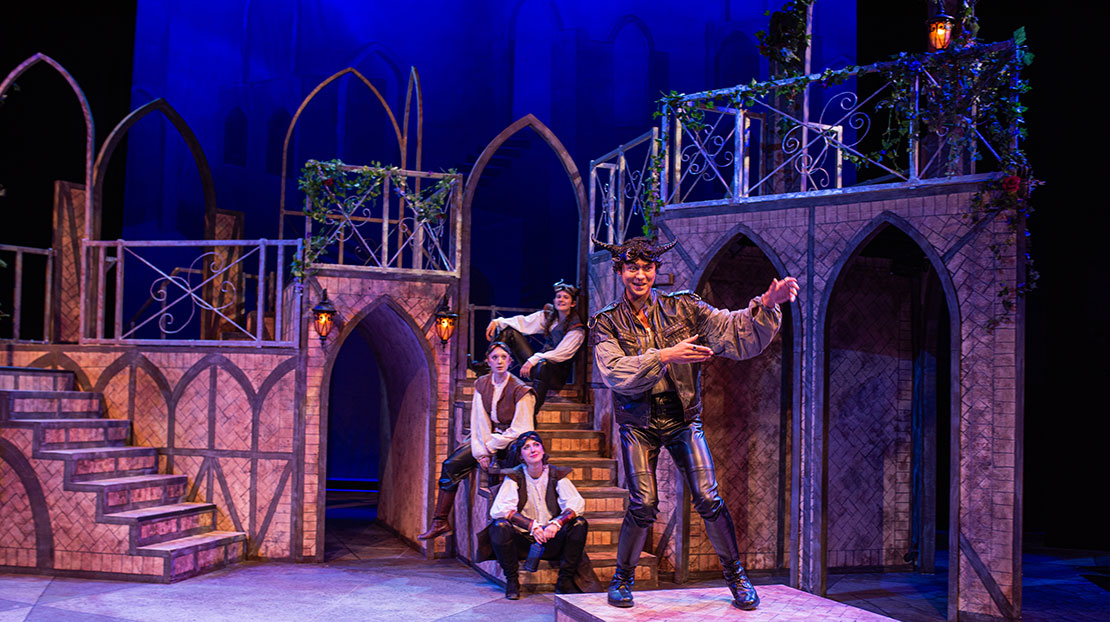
[[75, 433], [605, 564], [603, 534], [604, 501], [162, 523], [50, 405], [591, 472], [121, 494], [564, 420], [465, 388], [94, 463], [572, 442], [193, 555], [30, 379]]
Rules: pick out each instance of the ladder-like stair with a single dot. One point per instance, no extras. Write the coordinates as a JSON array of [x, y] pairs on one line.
[[160, 537]]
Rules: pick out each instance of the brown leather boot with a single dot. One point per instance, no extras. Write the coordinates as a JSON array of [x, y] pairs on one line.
[[440, 526]]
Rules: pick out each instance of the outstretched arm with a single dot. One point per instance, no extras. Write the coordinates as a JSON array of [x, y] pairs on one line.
[[530, 324], [627, 374], [746, 332]]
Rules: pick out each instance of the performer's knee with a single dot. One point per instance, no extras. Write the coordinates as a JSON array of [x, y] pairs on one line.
[[708, 506], [644, 515], [500, 530]]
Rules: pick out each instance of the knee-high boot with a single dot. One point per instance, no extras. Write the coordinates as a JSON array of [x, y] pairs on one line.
[[722, 534], [440, 525], [629, 546]]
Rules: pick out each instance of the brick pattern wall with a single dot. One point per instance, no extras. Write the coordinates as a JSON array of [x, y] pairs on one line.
[[215, 404], [870, 441]]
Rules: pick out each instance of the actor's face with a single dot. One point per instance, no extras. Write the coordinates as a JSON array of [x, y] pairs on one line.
[[499, 360], [564, 302], [638, 277], [532, 452]]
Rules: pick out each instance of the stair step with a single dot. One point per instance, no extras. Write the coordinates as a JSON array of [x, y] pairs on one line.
[[573, 442], [50, 405], [193, 555], [75, 433], [162, 523], [91, 463], [30, 379], [591, 472], [543, 580], [604, 501], [121, 494], [563, 419]]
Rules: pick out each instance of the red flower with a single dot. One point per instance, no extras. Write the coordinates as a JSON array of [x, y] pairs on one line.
[[1011, 184]]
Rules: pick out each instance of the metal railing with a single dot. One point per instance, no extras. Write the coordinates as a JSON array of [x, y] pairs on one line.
[[804, 136], [620, 184], [479, 316], [14, 308], [381, 227], [233, 292]]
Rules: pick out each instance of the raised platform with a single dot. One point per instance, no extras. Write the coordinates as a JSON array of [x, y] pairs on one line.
[[778, 603]]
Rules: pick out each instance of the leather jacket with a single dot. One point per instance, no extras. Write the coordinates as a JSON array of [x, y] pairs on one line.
[[626, 353]]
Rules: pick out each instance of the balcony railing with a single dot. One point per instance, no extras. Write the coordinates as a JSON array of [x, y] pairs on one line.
[[28, 270], [384, 225], [194, 292], [620, 185], [905, 122]]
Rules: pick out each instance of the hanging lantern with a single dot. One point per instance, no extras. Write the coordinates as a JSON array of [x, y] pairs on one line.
[[323, 315], [445, 323], [940, 30]]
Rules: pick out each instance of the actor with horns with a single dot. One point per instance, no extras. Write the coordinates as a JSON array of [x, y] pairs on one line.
[[648, 347]]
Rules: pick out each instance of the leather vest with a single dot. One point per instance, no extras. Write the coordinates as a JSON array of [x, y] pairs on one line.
[[554, 474], [506, 407], [554, 332]]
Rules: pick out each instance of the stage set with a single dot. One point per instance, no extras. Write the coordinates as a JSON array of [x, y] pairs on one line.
[[169, 405]]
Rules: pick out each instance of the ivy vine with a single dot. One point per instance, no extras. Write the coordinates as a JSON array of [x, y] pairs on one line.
[[333, 189]]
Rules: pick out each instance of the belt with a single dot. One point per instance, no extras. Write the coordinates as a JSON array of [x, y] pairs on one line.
[[665, 399]]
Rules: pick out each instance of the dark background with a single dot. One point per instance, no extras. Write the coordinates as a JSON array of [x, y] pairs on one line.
[[1065, 422]]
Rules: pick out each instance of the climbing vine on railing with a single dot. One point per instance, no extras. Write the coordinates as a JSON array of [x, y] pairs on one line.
[[335, 191]]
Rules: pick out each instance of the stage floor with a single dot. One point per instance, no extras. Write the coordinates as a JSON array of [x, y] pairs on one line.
[[779, 603]]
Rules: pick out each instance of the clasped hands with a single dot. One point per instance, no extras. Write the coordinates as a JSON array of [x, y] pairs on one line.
[[543, 533]]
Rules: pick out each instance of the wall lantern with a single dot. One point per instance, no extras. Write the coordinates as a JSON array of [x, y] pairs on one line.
[[323, 314], [940, 30], [445, 323]]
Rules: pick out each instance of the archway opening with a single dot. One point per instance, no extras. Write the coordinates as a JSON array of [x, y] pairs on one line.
[[887, 412], [380, 400], [748, 411]]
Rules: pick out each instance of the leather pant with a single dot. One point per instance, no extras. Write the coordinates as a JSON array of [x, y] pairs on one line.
[[546, 375], [457, 466], [687, 445], [510, 545]]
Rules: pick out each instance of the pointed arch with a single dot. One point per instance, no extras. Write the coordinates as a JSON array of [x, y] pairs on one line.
[[374, 53], [549, 137], [213, 360], [304, 103], [59, 360], [635, 22], [854, 247], [120, 131], [383, 303], [139, 361], [414, 86], [86, 112]]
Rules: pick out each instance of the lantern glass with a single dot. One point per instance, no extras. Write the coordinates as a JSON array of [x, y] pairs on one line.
[[322, 315], [445, 326], [940, 32]]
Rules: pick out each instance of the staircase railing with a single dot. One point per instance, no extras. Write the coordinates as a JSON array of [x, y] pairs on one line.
[[41, 259]]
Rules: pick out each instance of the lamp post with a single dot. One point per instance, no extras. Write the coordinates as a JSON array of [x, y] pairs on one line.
[[445, 323], [322, 317]]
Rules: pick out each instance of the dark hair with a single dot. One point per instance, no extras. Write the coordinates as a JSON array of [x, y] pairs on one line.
[[514, 457], [632, 250], [568, 288], [499, 344]]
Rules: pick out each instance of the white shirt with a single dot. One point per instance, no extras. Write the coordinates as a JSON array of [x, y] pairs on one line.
[[483, 440], [532, 324], [536, 507]]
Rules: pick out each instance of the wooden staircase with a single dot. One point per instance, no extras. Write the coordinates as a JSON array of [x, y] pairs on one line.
[[112, 514], [566, 424]]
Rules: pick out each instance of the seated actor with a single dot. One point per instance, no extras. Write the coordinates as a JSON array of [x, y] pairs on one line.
[[500, 412], [563, 332], [537, 503]]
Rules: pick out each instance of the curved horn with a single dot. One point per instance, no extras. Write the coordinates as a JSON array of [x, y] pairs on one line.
[[614, 249], [668, 246]]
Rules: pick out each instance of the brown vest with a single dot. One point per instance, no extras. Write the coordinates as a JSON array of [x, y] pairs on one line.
[[554, 474], [506, 406]]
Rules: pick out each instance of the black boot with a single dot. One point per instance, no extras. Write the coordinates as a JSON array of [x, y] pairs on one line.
[[512, 587], [480, 368], [572, 556], [620, 588], [743, 593]]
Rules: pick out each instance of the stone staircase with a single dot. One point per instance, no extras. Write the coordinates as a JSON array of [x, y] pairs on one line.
[[566, 424], [112, 514]]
